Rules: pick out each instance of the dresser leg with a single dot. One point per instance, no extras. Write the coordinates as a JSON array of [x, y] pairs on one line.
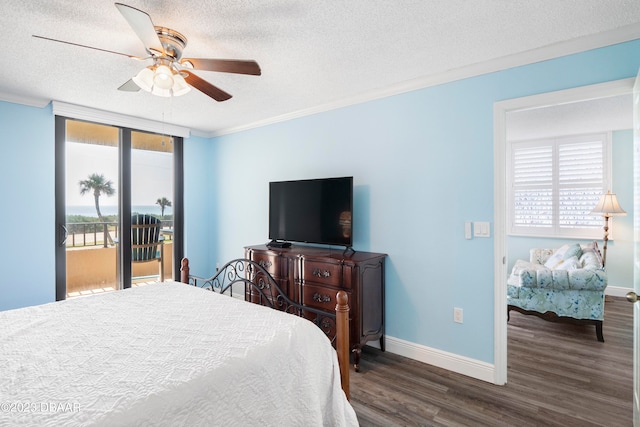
[[382, 343], [356, 357]]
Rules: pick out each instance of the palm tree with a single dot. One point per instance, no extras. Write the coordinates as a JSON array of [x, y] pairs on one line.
[[163, 202], [98, 185]]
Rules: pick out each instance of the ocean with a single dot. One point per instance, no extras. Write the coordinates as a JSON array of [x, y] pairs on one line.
[[113, 210]]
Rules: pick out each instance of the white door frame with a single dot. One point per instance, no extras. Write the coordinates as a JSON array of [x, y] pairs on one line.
[[500, 110], [636, 254]]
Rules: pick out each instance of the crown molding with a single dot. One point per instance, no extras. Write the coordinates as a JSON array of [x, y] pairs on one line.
[[30, 101], [201, 133], [556, 50]]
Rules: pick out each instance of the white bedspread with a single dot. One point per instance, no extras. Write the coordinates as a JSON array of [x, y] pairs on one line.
[[166, 354]]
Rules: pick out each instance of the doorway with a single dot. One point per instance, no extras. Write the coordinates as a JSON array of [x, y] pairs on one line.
[[502, 111], [104, 176]]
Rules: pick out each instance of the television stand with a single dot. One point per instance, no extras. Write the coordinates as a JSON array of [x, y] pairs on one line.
[[279, 245], [313, 275]]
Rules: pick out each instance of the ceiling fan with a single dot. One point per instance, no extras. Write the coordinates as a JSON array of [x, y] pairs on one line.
[[170, 74]]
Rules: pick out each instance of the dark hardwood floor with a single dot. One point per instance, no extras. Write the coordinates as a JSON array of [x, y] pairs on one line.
[[558, 375]]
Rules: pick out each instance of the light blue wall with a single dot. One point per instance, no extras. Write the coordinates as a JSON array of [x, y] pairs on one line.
[[423, 165], [27, 213], [620, 247], [200, 212]]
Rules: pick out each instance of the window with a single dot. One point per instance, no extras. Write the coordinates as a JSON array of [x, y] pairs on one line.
[[555, 183], [103, 171]]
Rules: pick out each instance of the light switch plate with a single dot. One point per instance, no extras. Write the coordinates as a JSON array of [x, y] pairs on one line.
[[467, 230], [457, 315], [482, 229]]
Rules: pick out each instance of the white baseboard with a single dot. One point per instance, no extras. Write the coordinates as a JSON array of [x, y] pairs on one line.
[[453, 362], [617, 291]]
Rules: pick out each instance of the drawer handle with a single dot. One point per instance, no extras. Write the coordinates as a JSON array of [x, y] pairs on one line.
[[265, 264], [321, 273], [321, 298]]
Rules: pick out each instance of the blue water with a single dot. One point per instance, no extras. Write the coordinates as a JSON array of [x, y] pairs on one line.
[[113, 210]]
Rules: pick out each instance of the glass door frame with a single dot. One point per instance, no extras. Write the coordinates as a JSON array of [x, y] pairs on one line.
[[124, 203]]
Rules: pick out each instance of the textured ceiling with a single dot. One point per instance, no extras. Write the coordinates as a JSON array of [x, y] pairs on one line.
[[589, 116], [313, 54]]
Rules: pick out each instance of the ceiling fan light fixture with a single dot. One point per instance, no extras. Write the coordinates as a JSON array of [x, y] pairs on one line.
[[161, 92], [180, 86], [160, 80], [163, 78], [144, 79]]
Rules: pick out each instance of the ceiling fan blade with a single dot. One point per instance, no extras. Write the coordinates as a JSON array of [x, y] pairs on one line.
[[206, 87], [143, 26], [224, 65], [88, 47], [129, 86]]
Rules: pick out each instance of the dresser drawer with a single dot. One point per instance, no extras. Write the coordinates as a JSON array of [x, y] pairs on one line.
[[323, 273], [320, 297], [268, 262]]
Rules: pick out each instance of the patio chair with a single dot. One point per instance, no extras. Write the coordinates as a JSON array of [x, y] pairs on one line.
[[147, 243]]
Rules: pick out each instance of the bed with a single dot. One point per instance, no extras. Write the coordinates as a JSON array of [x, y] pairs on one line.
[[166, 354]]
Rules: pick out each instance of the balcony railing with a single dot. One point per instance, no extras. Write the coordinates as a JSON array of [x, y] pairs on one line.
[[82, 234]]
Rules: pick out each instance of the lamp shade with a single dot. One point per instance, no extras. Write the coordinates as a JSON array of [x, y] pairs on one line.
[[161, 81], [144, 79], [180, 86], [157, 90], [163, 77], [608, 206]]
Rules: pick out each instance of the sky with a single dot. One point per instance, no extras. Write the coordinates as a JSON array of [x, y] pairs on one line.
[[151, 173]]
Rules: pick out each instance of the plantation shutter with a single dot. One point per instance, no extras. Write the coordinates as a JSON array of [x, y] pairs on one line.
[[533, 186], [581, 183], [555, 183]]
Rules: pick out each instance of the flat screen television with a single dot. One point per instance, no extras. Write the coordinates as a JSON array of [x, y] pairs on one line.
[[311, 211]]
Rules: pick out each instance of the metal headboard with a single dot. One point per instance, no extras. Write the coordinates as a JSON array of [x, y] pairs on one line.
[[258, 286]]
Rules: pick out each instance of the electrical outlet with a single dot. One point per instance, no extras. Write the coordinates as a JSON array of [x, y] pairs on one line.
[[457, 315]]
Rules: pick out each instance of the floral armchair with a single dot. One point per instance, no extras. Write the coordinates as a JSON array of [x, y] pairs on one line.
[[560, 285]]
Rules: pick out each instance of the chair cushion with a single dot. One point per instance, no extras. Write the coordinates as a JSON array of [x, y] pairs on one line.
[[572, 263], [565, 252], [595, 259], [573, 251], [590, 261]]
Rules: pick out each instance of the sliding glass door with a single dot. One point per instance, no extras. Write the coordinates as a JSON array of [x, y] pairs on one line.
[[105, 176], [152, 196], [91, 205]]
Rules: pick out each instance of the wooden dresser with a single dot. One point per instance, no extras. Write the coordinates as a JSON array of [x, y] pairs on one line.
[[312, 276]]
